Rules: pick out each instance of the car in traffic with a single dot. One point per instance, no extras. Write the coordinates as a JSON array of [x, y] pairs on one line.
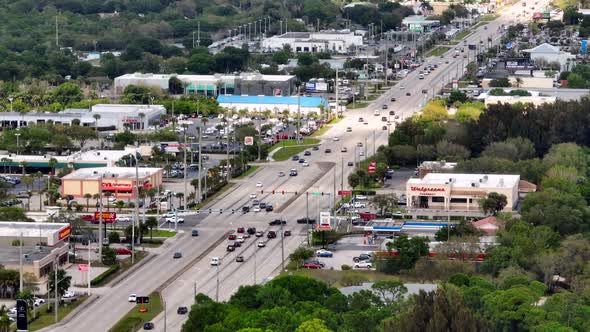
[[262, 205], [194, 232], [259, 234], [305, 164], [271, 234], [324, 253], [177, 254], [277, 222], [256, 208], [295, 158], [384, 128], [301, 161], [287, 233], [315, 148], [392, 99], [132, 298], [230, 248], [261, 244], [344, 149], [182, 310], [251, 230], [377, 113], [240, 239], [148, 326], [361, 120], [328, 151], [252, 195], [293, 172], [255, 202], [384, 107], [350, 163], [363, 265], [175, 220], [348, 129], [336, 139], [245, 209], [240, 230], [307, 153], [237, 244], [269, 208], [408, 94], [232, 237], [281, 174], [258, 184], [214, 261], [240, 259]]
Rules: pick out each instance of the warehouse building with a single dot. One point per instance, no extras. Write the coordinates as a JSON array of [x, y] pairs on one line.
[[460, 192], [334, 41], [214, 85], [275, 104], [119, 181], [44, 244], [110, 117]]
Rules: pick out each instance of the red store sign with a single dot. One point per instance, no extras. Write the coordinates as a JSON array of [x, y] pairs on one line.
[[428, 191]]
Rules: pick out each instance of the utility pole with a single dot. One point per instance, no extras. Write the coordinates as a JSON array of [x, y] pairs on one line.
[[193, 39], [136, 217], [337, 95], [88, 273], [228, 176], [165, 323], [307, 215], [386, 55], [55, 291], [282, 249], [217, 284], [255, 251], [20, 266], [298, 113], [185, 171], [374, 142], [200, 197], [334, 182], [100, 218], [198, 33], [56, 32]]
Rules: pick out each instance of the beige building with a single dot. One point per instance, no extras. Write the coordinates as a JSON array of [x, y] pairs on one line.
[[117, 180], [534, 100], [44, 244], [459, 192]]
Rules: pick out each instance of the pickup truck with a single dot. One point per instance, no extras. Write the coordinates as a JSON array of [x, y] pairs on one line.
[[362, 257]]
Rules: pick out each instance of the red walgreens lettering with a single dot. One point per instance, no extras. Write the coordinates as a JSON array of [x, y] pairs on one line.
[[426, 189]]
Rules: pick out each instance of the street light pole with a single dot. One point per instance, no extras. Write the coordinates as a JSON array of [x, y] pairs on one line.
[[136, 218], [282, 248], [217, 284], [255, 251], [20, 267], [200, 197], [17, 142], [100, 218]]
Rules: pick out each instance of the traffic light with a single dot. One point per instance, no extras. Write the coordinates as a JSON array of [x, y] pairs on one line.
[[262, 192], [306, 193], [282, 192], [220, 211], [232, 211], [273, 192], [295, 193], [209, 211]]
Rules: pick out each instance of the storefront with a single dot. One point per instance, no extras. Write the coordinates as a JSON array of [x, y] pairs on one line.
[[449, 192]]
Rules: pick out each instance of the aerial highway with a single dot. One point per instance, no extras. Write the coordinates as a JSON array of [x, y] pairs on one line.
[[179, 279]]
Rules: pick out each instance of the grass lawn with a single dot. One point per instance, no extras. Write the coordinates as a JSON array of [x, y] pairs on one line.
[[489, 17], [161, 233], [134, 319], [357, 105], [335, 120], [250, 170], [47, 318], [212, 197], [462, 34], [288, 152], [321, 131], [125, 265], [439, 51], [291, 142]]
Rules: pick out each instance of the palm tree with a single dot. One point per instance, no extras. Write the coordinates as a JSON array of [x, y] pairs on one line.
[[96, 197], [88, 197], [96, 118], [4, 320], [63, 283], [108, 195], [179, 197], [195, 183], [518, 82], [151, 222], [141, 118], [4, 161], [152, 192], [119, 205]]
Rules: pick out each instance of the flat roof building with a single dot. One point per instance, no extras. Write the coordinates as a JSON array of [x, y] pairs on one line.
[[43, 245], [214, 85], [112, 116], [459, 192], [120, 181], [333, 41], [418, 23], [275, 104]]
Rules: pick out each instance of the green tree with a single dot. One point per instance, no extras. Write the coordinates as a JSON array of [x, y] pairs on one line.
[[313, 325], [67, 93], [151, 222], [409, 251], [493, 203], [63, 282], [109, 256], [500, 82], [576, 81]]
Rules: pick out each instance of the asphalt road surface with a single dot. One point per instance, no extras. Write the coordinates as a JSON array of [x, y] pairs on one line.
[[180, 278]]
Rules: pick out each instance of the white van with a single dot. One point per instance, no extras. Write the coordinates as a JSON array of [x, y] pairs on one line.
[[377, 113], [214, 261], [421, 76]]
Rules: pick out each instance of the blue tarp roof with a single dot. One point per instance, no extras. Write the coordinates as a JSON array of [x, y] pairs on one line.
[[281, 100]]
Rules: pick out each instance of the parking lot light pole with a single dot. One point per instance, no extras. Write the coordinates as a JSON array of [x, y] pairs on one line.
[[100, 218]]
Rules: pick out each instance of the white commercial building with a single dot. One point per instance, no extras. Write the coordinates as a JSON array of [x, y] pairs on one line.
[[110, 117], [214, 85], [275, 104], [549, 54], [335, 41], [459, 192]]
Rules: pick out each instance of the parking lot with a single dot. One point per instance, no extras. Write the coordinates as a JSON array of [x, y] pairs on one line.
[[345, 250]]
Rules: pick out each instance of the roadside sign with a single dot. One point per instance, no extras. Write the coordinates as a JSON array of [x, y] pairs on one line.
[[324, 221], [106, 216], [21, 315], [142, 300], [249, 140], [82, 267], [344, 193]]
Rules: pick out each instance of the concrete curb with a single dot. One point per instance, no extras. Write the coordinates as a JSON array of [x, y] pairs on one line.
[[72, 314], [118, 279]]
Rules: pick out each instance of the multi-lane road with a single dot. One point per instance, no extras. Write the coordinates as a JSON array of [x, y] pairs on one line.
[[178, 279]]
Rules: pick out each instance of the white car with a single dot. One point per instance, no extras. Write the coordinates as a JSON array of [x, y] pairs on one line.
[[348, 129], [336, 139], [240, 239], [132, 298], [169, 215], [123, 219], [261, 244], [252, 196], [402, 86], [175, 219], [344, 149], [68, 294], [256, 208], [362, 153], [215, 261], [38, 302], [377, 113], [305, 164], [363, 265], [258, 184], [360, 205]]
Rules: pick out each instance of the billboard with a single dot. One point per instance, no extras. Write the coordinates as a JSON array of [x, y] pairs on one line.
[[249, 140], [324, 221], [106, 216], [64, 233], [316, 87], [584, 47]]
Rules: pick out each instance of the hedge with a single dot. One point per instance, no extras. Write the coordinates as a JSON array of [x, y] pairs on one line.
[[101, 277]]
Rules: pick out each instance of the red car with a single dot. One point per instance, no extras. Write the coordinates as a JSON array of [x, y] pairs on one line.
[[241, 230], [87, 217], [123, 251], [232, 237], [312, 266]]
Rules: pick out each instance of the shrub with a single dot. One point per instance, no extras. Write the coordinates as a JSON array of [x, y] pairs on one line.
[[346, 267], [353, 279], [101, 277]]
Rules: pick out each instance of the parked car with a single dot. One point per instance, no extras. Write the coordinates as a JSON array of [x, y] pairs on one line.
[[324, 253], [182, 310], [306, 220], [363, 265], [362, 257], [38, 301], [148, 326], [312, 265], [122, 251]]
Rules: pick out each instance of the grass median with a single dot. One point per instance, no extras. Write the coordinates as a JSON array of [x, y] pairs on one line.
[[134, 319], [249, 172], [439, 51], [462, 34], [357, 105], [125, 265], [45, 318], [287, 152], [292, 142]]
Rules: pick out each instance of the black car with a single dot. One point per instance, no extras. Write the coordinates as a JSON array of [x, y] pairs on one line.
[[287, 233], [391, 112], [393, 99], [251, 230], [182, 310], [269, 208], [328, 150], [195, 232], [245, 209], [315, 148], [237, 244], [262, 205], [240, 259], [271, 234], [307, 153], [293, 173], [301, 161], [306, 220], [408, 94], [350, 163], [295, 158], [384, 128], [384, 107], [230, 248], [148, 326], [277, 222]]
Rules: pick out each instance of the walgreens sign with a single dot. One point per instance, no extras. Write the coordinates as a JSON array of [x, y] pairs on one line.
[[427, 190]]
